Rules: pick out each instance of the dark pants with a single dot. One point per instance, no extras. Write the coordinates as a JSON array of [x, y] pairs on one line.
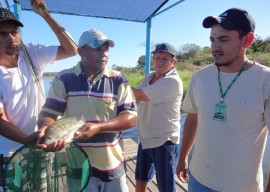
[[162, 160]]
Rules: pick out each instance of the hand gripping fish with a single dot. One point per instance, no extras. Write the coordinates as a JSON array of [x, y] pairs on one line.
[[63, 129]]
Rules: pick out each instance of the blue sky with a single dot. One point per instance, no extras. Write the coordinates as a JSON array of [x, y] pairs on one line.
[[180, 25]]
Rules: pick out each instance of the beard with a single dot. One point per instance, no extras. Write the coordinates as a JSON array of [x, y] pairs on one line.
[[225, 64], [12, 50]]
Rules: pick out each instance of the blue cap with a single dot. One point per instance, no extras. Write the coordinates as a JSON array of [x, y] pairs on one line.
[[94, 38], [166, 48]]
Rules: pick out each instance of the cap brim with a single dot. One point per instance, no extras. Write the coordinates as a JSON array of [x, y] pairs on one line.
[[153, 52], [12, 20], [98, 43], [210, 21], [111, 43]]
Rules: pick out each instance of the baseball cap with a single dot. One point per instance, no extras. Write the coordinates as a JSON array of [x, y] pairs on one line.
[[166, 48], [232, 19], [6, 15], [94, 38]]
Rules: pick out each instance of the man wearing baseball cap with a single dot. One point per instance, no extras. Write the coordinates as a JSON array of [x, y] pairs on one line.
[[104, 98], [94, 38], [228, 106], [159, 94], [21, 97]]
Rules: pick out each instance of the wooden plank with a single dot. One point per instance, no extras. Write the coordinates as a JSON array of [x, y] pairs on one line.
[[130, 176], [131, 166], [130, 152], [180, 185], [130, 148]]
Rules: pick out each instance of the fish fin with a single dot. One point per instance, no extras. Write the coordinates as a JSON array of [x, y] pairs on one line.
[[83, 119], [67, 137]]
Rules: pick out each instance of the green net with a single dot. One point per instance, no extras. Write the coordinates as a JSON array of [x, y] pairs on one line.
[[34, 170]]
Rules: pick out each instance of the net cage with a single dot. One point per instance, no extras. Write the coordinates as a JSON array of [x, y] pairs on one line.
[[33, 170]]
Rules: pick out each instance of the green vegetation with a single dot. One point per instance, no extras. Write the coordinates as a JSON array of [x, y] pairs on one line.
[[192, 57], [49, 74]]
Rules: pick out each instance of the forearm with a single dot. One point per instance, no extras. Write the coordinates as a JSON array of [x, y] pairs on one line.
[[139, 95], [45, 119], [68, 47], [119, 123], [12, 132]]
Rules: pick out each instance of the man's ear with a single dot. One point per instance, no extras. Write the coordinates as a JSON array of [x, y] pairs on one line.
[[248, 39], [80, 50], [174, 61]]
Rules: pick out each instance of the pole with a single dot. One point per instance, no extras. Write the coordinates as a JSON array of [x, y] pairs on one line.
[[147, 52]]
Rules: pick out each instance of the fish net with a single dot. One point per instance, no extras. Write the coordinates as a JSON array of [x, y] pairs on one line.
[[33, 170]]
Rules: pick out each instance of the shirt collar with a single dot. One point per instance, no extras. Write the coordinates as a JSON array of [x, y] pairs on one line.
[[78, 70], [172, 71]]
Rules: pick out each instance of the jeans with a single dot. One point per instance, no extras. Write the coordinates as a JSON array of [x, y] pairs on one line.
[[195, 186], [162, 160]]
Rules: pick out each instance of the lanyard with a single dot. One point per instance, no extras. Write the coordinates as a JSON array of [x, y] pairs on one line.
[[222, 95]]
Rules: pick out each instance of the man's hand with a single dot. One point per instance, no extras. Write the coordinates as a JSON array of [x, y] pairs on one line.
[[51, 147], [86, 131], [55, 146], [39, 6], [181, 171]]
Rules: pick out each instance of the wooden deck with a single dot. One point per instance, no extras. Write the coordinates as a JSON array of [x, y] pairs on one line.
[[130, 152]]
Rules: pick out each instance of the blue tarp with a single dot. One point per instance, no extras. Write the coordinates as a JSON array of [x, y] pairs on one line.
[[130, 10]]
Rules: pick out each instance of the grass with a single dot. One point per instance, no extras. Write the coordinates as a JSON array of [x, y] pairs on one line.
[[136, 76]]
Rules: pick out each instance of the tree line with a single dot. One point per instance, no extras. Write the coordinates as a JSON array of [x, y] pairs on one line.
[[192, 57], [200, 56]]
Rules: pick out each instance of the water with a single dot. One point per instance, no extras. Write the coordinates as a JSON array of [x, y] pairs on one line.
[[133, 134], [47, 83]]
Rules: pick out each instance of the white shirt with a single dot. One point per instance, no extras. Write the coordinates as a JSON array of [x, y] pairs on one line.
[[159, 118], [19, 94], [228, 155]]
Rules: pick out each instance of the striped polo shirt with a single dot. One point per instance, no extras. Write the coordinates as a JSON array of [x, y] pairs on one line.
[[107, 96]]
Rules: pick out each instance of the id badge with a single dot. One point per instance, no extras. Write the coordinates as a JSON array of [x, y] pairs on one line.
[[220, 111]]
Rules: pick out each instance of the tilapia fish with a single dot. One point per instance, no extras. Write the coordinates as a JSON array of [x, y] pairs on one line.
[[63, 129]]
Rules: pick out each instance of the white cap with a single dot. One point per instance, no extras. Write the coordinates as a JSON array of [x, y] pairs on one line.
[[94, 38]]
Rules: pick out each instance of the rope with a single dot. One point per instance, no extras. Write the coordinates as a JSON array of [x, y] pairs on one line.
[[7, 5], [63, 29], [33, 69], [27, 56]]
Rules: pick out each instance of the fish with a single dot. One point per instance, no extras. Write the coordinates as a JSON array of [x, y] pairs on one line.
[[63, 129]]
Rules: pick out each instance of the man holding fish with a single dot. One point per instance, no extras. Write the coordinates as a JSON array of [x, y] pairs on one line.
[[104, 100]]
